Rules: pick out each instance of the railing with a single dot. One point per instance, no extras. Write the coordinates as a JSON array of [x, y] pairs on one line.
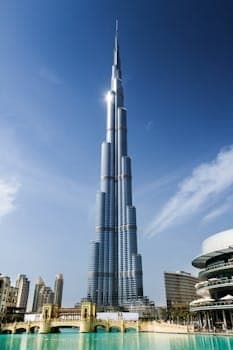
[[215, 267], [212, 304], [69, 317], [208, 284]]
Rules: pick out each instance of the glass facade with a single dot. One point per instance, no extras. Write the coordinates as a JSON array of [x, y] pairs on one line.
[[115, 267]]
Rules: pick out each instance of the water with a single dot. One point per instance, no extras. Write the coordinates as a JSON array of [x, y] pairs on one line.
[[115, 341]]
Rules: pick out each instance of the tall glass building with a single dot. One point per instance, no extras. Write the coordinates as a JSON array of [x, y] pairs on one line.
[[58, 289], [22, 285], [115, 268], [38, 286]]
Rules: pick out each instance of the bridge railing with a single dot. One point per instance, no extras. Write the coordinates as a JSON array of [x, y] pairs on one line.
[[69, 317]]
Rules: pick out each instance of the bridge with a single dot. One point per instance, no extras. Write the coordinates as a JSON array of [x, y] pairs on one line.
[[51, 322], [82, 326]]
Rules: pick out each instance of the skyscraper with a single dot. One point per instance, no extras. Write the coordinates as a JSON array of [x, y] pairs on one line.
[[58, 288], [8, 298], [5, 284], [115, 268], [45, 296], [22, 285], [39, 284]]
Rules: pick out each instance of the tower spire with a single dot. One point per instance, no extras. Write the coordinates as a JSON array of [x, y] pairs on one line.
[[117, 62], [116, 34]]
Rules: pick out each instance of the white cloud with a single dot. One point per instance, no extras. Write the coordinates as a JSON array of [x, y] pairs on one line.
[[38, 181], [8, 192], [156, 186], [49, 75], [212, 215], [207, 183]]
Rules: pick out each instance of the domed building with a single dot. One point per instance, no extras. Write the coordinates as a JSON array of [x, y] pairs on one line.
[[214, 308]]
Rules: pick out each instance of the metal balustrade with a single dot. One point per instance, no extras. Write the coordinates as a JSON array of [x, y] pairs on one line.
[[221, 305], [215, 267], [220, 281]]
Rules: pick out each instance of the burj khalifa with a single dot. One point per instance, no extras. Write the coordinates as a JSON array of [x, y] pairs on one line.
[[115, 267]]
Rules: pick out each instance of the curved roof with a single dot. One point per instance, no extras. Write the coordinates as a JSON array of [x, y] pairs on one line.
[[201, 260], [215, 245], [220, 240]]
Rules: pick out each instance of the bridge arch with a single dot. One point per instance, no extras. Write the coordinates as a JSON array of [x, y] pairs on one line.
[[130, 330], [6, 331], [100, 328], [34, 329], [20, 330], [114, 329], [59, 328]]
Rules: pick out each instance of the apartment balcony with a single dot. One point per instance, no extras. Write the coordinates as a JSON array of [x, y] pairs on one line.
[[215, 269]]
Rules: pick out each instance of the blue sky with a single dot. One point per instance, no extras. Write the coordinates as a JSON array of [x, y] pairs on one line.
[[55, 67]]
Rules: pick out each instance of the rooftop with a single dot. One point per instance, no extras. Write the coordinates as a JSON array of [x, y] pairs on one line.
[[214, 246]]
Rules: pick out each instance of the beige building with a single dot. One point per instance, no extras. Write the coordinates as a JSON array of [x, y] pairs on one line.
[[22, 285], [180, 290], [8, 296]]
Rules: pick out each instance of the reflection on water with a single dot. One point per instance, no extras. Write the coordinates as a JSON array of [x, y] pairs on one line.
[[208, 342], [114, 341]]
